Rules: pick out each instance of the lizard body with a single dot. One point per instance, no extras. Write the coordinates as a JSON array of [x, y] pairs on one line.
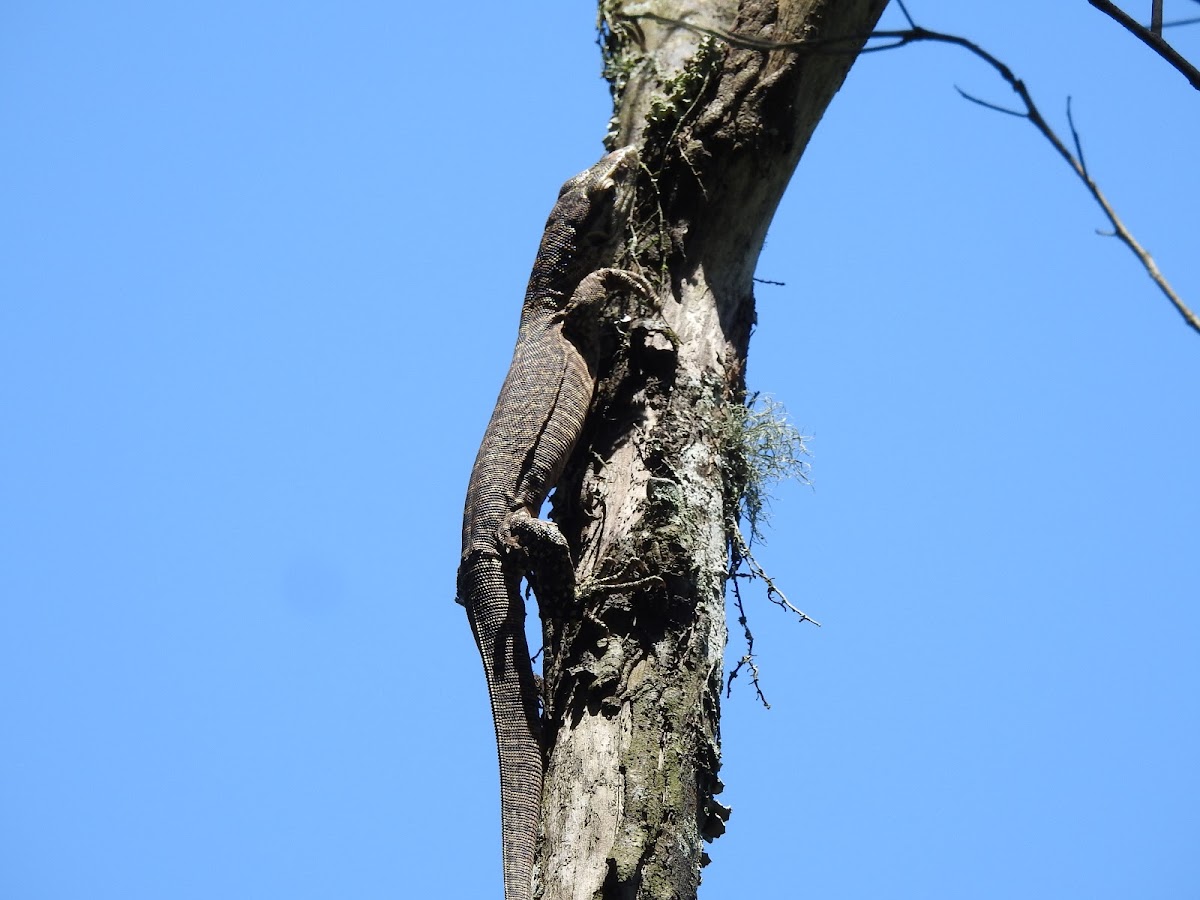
[[532, 432]]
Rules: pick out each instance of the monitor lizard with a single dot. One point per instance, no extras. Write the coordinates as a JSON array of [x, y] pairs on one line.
[[537, 420]]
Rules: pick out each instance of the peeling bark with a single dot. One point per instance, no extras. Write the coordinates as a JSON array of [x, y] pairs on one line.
[[633, 678]]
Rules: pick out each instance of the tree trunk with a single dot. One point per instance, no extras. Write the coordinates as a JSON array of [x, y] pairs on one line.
[[633, 680]]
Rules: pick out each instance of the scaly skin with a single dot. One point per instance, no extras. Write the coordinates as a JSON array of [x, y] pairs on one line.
[[536, 422]]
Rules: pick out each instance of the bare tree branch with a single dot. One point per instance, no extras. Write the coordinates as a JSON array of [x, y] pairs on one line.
[[1151, 38], [1034, 115], [915, 34]]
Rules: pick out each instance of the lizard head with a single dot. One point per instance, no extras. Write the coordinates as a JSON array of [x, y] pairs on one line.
[[587, 223], [599, 200]]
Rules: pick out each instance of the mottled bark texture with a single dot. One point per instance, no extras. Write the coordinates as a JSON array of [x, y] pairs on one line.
[[633, 676]]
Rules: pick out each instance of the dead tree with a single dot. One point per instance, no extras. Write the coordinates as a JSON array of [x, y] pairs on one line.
[[721, 100]]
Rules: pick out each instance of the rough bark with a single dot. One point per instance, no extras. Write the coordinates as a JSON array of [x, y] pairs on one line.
[[633, 680]]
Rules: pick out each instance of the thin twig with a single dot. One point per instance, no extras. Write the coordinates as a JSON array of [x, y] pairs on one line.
[[1151, 39], [774, 594], [739, 553], [747, 658], [992, 106], [1075, 137]]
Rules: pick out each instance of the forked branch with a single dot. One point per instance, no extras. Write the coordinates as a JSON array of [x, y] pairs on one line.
[[1152, 37]]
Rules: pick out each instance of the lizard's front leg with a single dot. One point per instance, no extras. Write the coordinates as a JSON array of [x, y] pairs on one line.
[[545, 556], [595, 291]]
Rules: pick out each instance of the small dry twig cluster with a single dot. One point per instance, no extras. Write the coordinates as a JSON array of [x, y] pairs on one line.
[[762, 448]]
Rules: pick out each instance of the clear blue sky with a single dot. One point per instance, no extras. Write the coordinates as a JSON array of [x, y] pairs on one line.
[[260, 268]]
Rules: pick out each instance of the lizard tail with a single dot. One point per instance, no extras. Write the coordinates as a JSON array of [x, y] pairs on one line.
[[497, 615]]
